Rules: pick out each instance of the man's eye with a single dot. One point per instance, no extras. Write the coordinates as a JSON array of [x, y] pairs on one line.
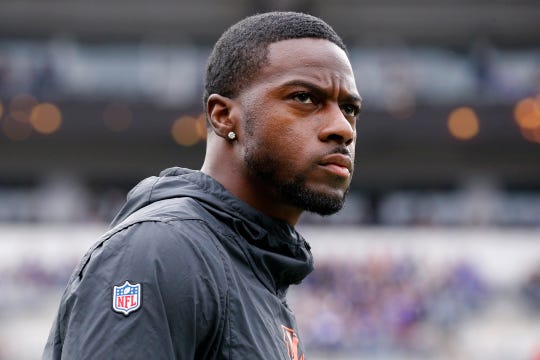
[[304, 98], [350, 110]]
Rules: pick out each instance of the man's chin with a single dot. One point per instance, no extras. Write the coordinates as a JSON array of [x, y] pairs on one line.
[[328, 208], [322, 203]]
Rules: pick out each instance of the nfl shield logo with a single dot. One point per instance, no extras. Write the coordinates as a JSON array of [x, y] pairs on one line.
[[126, 298]]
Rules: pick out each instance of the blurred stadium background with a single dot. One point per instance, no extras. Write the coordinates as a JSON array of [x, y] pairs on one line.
[[437, 253]]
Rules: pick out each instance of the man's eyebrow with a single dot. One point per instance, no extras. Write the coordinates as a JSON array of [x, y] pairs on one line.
[[318, 89], [353, 98]]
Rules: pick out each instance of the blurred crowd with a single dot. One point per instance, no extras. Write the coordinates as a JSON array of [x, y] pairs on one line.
[[63, 69], [62, 198], [381, 304], [394, 305], [31, 283], [531, 290]]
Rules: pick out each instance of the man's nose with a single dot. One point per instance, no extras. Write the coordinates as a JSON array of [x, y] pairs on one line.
[[337, 127]]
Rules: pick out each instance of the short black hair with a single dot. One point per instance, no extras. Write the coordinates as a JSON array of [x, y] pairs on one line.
[[242, 49]]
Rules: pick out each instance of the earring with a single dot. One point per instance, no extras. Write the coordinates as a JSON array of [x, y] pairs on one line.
[[231, 135]]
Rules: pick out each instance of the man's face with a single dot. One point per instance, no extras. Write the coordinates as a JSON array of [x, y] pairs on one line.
[[299, 117]]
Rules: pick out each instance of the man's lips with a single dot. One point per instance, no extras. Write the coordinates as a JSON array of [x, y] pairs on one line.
[[338, 164]]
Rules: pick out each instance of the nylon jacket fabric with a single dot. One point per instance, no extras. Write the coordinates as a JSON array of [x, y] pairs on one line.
[[213, 275]]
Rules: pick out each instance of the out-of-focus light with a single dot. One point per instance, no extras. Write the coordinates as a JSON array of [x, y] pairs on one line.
[[184, 131], [200, 126], [532, 135], [20, 107], [527, 113], [117, 117], [463, 123], [46, 118], [16, 130]]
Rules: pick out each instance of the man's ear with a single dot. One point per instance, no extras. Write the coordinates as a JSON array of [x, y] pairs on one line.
[[221, 114]]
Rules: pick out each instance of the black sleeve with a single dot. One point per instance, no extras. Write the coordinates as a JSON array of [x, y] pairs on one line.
[[181, 302]]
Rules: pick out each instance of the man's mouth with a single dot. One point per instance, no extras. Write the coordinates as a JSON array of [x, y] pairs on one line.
[[338, 164]]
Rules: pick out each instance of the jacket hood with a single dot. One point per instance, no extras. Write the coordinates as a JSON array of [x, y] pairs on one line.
[[278, 254]]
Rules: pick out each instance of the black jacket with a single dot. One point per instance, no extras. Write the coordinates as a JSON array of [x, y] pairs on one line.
[[187, 271]]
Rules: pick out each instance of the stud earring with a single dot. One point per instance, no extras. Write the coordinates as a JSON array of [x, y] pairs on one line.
[[231, 135]]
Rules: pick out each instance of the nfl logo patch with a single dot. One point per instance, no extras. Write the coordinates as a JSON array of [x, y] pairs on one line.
[[127, 298]]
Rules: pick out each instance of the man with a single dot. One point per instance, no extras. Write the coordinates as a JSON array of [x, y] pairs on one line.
[[197, 263]]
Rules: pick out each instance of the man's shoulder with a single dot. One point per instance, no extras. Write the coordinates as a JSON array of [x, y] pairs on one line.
[[178, 219], [162, 211], [168, 209], [171, 235]]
